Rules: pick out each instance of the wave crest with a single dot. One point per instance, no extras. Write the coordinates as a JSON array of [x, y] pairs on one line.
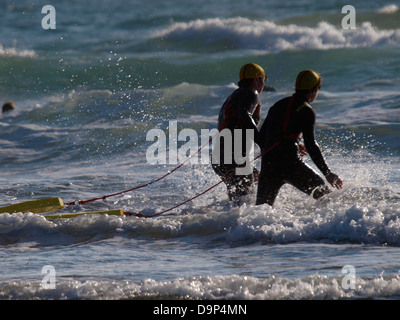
[[243, 33], [389, 9]]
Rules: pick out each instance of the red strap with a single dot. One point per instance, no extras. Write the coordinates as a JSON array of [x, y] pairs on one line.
[[228, 114], [73, 203], [285, 125]]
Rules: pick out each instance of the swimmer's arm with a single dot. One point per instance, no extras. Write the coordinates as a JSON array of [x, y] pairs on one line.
[[311, 145], [316, 154], [248, 105]]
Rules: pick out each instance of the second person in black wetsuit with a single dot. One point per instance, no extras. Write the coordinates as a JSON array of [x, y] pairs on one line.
[[241, 110], [288, 120]]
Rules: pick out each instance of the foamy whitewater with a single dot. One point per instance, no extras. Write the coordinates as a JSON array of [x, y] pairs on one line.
[[88, 92]]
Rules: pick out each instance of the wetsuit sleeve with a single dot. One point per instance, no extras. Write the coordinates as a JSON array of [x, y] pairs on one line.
[[309, 140], [248, 105], [257, 114]]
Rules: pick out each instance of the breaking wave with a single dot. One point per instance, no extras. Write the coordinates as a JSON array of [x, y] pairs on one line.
[[243, 33], [14, 52], [315, 287]]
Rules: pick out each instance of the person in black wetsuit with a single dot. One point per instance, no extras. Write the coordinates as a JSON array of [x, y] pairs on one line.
[[241, 110], [288, 120]]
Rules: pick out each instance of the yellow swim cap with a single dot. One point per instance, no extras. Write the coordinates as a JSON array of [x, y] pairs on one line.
[[308, 79], [251, 71]]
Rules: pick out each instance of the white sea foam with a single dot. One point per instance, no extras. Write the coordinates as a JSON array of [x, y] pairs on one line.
[[14, 52], [316, 286], [344, 216], [243, 33], [389, 9]]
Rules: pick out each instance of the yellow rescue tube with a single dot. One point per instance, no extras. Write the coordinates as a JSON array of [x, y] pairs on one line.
[[35, 206], [117, 212]]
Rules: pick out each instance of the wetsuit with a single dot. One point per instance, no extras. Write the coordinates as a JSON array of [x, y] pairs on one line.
[[242, 110], [281, 162]]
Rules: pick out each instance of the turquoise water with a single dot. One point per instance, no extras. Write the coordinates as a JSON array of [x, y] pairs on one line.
[[88, 92]]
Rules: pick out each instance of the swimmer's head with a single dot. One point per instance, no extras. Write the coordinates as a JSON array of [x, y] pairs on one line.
[[308, 80], [251, 71], [252, 75], [8, 106]]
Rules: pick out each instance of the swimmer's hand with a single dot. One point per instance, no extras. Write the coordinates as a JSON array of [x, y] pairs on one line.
[[302, 150], [256, 174], [334, 180]]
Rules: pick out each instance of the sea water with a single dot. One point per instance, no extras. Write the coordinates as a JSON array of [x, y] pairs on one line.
[[88, 92]]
